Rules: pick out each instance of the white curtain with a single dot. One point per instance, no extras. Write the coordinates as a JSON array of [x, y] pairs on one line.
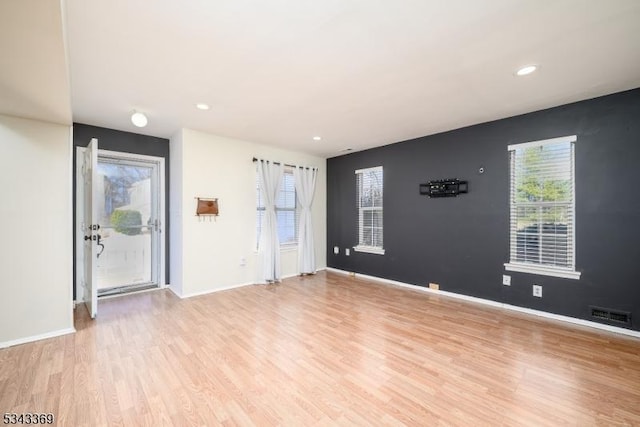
[[305, 179], [270, 176]]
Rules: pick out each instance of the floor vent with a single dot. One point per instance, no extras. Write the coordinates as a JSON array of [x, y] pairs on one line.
[[611, 316]]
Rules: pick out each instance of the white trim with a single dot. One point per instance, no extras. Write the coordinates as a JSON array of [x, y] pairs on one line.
[[570, 138], [361, 209], [226, 288], [288, 247], [574, 226], [369, 250], [38, 337], [119, 157], [209, 291], [72, 208], [368, 169], [536, 269], [123, 157], [515, 263], [162, 234], [547, 315]]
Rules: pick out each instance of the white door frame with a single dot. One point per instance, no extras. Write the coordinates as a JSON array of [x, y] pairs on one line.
[[89, 227], [159, 275]]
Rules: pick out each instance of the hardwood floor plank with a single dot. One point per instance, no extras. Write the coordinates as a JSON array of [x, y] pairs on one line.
[[322, 350]]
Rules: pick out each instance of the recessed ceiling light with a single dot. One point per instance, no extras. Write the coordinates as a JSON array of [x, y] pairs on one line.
[[526, 70], [139, 119], [202, 106], [317, 138]]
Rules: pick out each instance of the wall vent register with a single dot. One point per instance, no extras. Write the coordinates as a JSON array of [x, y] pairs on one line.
[[610, 316]]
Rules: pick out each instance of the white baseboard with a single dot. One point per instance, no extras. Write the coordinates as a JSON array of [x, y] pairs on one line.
[[209, 291], [38, 337], [568, 319], [226, 288]]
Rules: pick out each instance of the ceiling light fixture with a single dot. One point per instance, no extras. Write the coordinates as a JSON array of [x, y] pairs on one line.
[[317, 138], [202, 106], [139, 119], [526, 70]]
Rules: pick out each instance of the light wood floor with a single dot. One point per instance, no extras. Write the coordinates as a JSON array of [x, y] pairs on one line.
[[322, 350]]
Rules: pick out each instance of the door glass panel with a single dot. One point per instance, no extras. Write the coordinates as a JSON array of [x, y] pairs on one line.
[[125, 216]]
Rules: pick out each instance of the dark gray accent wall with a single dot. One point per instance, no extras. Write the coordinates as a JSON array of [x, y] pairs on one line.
[[125, 142], [462, 242]]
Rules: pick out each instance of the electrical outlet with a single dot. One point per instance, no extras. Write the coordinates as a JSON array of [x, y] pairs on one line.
[[537, 291], [336, 250], [347, 251], [506, 280], [243, 261], [434, 286]]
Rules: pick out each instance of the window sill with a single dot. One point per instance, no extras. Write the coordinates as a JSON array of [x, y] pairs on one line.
[[283, 248], [287, 247], [534, 269], [369, 250]]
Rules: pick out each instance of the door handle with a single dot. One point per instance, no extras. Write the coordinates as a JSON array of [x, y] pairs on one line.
[[99, 243], [98, 239]]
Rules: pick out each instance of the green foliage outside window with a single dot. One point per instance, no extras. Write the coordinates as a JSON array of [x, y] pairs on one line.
[[127, 222], [543, 179]]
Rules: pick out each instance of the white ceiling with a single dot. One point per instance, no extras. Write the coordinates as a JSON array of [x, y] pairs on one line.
[[359, 73], [34, 78]]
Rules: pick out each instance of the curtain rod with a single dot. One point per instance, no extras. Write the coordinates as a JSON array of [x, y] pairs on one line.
[[286, 164]]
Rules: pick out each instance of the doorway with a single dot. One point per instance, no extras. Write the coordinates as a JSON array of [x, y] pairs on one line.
[[119, 223]]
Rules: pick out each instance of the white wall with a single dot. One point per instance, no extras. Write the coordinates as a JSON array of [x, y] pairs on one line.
[[35, 230], [205, 255], [175, 213]]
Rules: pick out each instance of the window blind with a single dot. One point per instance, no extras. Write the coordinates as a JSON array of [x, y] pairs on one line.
[[542, 203], [370, 208], [286, 210]]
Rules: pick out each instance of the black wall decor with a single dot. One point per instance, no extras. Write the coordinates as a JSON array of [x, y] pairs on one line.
[[462, 243], [125, 142], [444, 188]]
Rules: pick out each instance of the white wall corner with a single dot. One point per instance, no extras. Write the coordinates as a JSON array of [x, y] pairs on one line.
[[211, 291], [39, 337], [176, 174], [37, 155], [176, 291]]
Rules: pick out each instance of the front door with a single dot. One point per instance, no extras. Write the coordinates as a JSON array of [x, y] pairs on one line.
[[128, 210]]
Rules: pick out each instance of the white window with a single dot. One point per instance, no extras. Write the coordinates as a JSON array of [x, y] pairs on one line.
[[369, 194], [542, 204], [286, 210]]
